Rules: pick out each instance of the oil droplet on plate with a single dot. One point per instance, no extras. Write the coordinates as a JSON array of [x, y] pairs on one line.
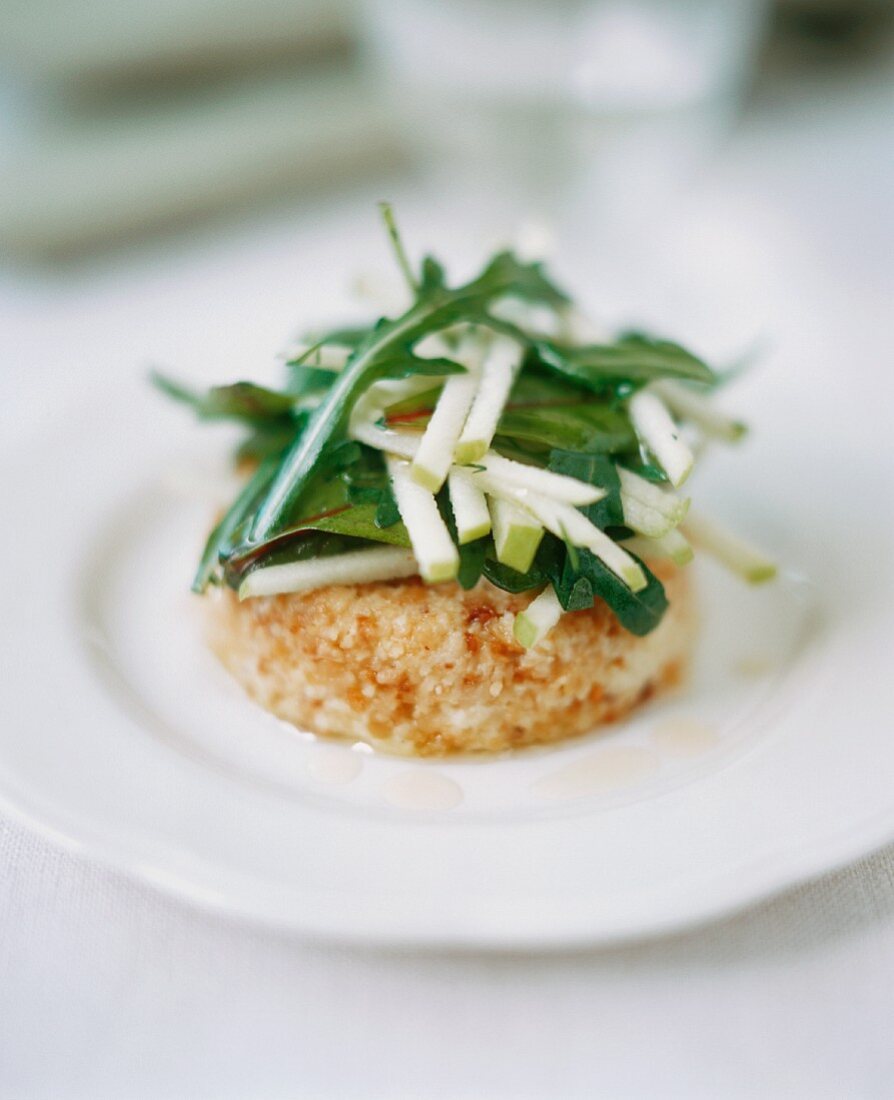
[[420, 789], [334, 764], [610, 769], [685, 737], [752, 668]]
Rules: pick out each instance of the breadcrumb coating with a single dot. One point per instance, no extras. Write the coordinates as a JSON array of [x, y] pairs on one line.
[[429, 670]]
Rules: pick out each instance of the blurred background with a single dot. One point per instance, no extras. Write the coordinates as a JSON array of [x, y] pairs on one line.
[[122, 119], [189, 183], [664, 150]]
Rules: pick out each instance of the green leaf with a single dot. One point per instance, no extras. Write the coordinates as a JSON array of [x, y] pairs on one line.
[[242, 506], [349, 496], [433, 277], [542, 411], [359, 521], [632, 359], [368, 483], [549, 559], [509, 579], [471, 563], [270, 439], [397, 245], [526, 281], [436, 307], [407, 364], [471, 554], [346, 454], [594, 470], [647, 470], [639, 612], [243, 401], [347, 337], [305, 379], [590, 428], [419, 407]]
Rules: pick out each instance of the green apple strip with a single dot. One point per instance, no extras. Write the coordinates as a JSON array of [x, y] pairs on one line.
[[381, 563], [657, 431], [581, 329], [652, 496], [386, 295], [644, 520], [435, 454], [700, 410], [497, 376], [516, 534], [370, 408], [729, 549], [371, 405], [675, 546], [538, 618], [648, 509], [534, 320], [672, 545], [435, 551], [495, 469], [567, 523], [402, 444], [469, 504]]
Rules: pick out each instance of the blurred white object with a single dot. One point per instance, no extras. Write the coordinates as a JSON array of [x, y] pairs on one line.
[[87, 43], [605, 101], [119, 116], [85, 182]]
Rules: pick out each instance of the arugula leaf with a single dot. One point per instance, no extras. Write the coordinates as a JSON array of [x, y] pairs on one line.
[[512, 278], [542, 411], [634, 358], [367, 482], [304, 379], [359, 521], [647, 470], [509, 579], [242, 507], [595, 470], [577, 588], [547, 562], [350, 496], [417, 408], [471, 563], [471, 554], [397, 245], [347, 337], [436, 307], [406, 364], [243, 401], [591, 428], [272, 438]]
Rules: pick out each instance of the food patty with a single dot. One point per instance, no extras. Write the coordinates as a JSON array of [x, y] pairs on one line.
[[429, 670]]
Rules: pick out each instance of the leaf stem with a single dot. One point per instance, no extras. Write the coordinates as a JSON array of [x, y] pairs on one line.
[[398, 245]]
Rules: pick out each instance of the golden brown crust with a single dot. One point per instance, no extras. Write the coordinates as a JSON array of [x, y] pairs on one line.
[[430, 670]]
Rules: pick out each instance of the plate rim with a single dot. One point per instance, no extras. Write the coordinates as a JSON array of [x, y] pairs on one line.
[[761, 875], [762, 878]]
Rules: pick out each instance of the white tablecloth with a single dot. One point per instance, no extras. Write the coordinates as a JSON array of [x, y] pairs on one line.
[[109, 989]]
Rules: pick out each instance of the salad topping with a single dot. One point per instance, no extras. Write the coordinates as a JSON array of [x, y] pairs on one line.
[[465, 438]]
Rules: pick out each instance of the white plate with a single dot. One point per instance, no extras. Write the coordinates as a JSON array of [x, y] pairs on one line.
[[120, 735]]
